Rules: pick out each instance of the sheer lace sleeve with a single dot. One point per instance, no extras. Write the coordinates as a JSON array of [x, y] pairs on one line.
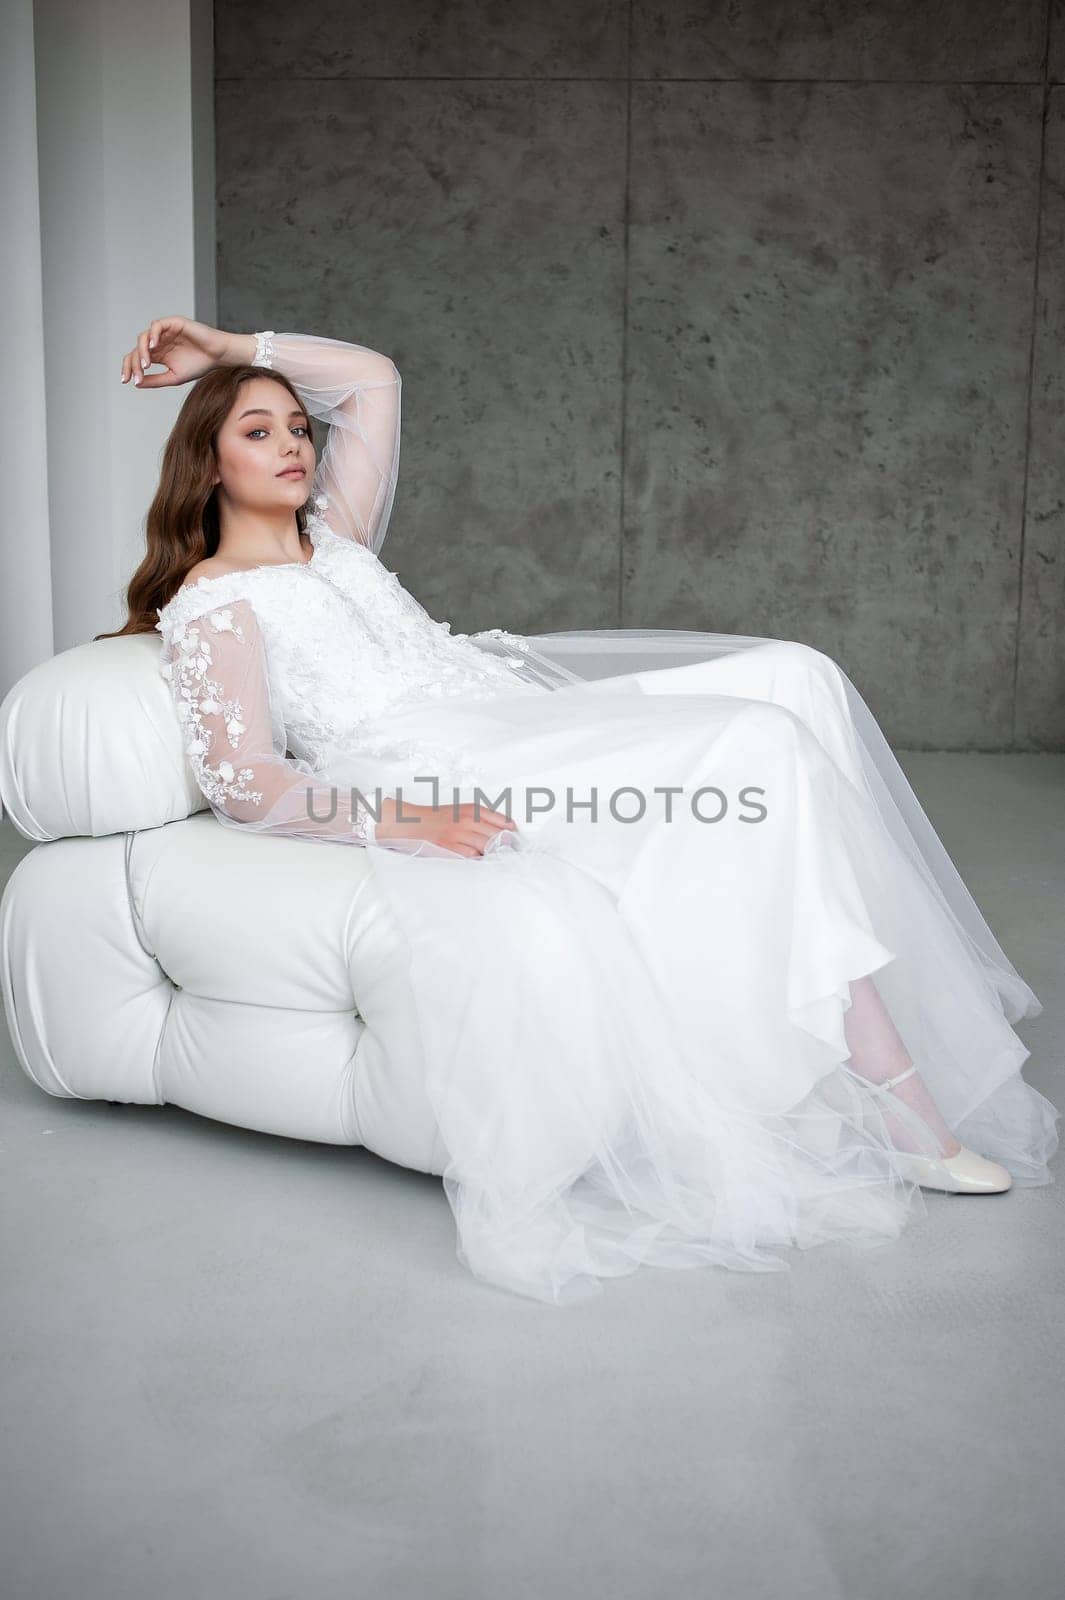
[[215, 662], [357, 392]]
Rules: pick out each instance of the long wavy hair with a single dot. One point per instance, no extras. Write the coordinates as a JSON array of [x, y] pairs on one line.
[[182, 526]]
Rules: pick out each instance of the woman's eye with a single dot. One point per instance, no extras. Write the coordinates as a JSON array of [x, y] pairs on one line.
[[298, 428]]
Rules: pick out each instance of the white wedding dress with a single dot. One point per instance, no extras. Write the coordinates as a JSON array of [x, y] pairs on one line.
[[632, 1017]]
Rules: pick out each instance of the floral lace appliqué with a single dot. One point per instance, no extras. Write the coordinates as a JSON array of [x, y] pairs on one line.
[[198, 695]]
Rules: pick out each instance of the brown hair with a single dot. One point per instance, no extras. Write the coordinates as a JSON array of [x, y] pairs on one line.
[[182, 522]]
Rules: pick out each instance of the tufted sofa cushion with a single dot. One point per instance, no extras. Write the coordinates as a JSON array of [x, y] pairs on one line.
[[257, 981]]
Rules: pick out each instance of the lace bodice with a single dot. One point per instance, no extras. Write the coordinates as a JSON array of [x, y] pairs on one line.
[[341, 644], [280, 671]]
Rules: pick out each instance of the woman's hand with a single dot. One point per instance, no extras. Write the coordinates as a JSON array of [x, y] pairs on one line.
[[465, 829], [187, 350]]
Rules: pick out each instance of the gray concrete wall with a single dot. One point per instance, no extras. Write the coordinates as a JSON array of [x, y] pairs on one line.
[[746, 317]]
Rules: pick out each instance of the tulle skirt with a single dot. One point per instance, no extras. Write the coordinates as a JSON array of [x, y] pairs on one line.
[[632, 1011]]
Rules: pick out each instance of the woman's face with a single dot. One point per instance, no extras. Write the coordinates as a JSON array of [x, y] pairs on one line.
[[262, 441]]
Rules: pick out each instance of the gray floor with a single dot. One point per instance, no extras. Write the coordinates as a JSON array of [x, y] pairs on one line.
[[241, 1365]]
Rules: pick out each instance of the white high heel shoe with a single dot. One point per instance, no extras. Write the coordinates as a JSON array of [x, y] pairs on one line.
[[965, 1172]]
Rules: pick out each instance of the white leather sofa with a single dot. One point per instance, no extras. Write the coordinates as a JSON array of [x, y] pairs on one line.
[[149, 954]]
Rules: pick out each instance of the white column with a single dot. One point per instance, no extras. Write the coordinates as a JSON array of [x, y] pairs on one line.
[[125, 162], [25, 563]]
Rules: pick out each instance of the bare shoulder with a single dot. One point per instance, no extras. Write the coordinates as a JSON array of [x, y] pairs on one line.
[[212, 567]]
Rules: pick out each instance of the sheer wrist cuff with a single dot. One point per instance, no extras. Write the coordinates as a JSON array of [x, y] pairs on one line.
[[264, 349]]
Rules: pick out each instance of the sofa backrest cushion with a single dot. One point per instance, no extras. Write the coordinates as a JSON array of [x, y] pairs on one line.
[[90, 743]]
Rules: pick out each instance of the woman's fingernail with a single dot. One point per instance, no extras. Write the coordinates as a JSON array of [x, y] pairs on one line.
[[136, 377], [145, 362]]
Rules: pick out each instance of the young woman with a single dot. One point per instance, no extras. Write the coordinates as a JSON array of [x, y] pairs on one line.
[[644, 909]]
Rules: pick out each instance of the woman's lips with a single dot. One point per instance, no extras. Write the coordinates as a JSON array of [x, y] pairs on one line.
[[293, 472]]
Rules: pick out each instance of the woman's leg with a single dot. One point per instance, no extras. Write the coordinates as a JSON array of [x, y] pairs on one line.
[[878, 1053]]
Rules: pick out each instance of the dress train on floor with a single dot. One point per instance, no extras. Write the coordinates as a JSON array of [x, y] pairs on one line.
[[634, 1030]]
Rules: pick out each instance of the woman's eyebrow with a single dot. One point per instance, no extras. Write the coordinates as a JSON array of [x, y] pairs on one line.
[[262, 411]]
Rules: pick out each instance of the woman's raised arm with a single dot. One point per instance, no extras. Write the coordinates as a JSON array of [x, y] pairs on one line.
[[357, 392]]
